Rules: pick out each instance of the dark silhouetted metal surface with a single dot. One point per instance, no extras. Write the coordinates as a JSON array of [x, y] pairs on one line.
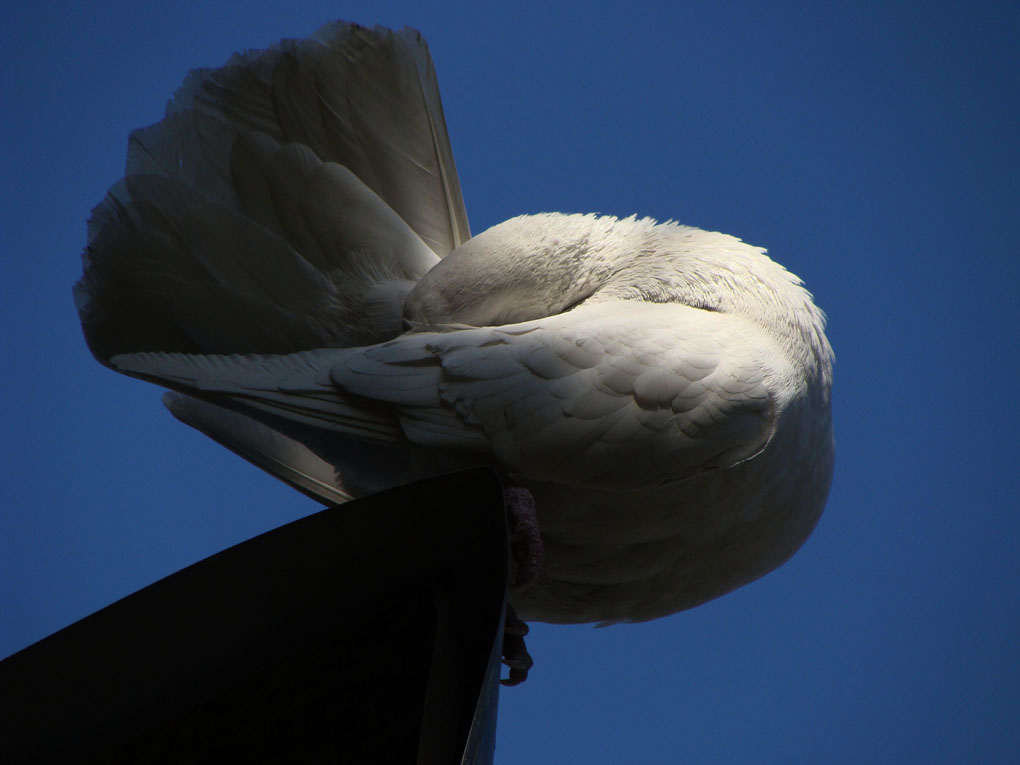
[[368, 632]]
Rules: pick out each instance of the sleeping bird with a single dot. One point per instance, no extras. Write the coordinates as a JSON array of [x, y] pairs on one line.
[[289, 253]]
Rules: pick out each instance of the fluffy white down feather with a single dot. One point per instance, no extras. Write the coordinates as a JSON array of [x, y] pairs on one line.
[[289, 251]]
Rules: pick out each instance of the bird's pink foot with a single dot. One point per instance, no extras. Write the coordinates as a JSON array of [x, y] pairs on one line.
[[515, 653], [526, 549]]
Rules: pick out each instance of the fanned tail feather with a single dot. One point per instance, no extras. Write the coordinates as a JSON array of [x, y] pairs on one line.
[[288, 200]]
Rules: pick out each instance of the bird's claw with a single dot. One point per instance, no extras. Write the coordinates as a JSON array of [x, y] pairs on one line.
[[515, 653], [526, 550]]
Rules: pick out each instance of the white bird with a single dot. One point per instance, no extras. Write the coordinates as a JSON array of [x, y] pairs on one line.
[[289, 250]]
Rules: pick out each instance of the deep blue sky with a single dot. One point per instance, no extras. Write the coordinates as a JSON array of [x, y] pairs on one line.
[[874, 148]]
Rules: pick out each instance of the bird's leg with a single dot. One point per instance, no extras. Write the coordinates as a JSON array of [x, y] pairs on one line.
[[526, 546], [526, 549], [515, 653]]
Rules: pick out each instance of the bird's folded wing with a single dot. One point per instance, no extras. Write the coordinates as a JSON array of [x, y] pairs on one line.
[[625, 395], [628, 395], [295, 388], [277, 454]]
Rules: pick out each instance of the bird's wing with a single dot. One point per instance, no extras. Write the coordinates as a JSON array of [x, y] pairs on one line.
[[621, 395], [626, 395], [288, 200], [294, 388], [279, 455]]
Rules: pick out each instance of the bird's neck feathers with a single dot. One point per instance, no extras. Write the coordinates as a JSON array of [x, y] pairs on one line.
[[535, 266]]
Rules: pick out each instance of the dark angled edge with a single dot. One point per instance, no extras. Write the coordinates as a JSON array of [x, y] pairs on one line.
[[368, 632]]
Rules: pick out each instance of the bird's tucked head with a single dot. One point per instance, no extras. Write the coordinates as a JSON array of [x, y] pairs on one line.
[[535, 266]]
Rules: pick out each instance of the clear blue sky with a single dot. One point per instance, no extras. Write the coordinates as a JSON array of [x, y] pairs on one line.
[[873, 147]]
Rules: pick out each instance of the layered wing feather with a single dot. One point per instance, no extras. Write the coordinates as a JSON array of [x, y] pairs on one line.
[[279, 455], [622, 397]]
